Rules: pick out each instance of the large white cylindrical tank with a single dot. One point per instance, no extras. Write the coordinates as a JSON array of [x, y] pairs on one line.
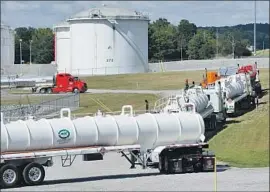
[[62, 47], [147, 130], [7, 45], [109, 41]]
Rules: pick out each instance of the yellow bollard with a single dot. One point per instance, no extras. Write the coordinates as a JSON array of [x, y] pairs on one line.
[[215, 174]]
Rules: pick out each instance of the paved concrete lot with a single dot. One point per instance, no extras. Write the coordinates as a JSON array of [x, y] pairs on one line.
[[113, 174]]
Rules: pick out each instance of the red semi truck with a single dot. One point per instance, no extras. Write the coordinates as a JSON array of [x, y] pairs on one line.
[[62, 82], [253, 70]]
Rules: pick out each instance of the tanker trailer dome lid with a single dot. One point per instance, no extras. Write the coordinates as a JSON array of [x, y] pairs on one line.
[[109, 13]]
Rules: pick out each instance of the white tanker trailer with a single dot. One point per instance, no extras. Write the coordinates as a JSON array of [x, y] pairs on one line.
[[29, 146], [185, 102], [237, 93]]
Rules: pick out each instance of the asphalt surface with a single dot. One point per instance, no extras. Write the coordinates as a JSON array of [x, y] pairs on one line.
[[113, 174]]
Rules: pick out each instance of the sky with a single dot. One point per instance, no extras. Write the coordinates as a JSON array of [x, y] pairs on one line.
[[202, 13]]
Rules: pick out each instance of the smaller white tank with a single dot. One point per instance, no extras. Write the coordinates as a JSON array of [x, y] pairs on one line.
[[198, 98], [231, 88]]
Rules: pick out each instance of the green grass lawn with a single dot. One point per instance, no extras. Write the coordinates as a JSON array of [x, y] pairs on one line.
[[114, 102], [264, 53], [154, 81], [245, 143]]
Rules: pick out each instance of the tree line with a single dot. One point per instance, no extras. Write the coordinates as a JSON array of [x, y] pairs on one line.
[[166, 41]]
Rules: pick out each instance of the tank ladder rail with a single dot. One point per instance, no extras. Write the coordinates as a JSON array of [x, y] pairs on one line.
[[67, 160], [161, 103]]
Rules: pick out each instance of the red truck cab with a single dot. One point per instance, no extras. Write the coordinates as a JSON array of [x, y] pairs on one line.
[[254, 76], [251, 69], [65, 82]]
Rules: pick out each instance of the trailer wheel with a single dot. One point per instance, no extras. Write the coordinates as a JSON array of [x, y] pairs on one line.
[[9, 176], [42, 91], [213, 122], [76, 90], [166, 165], [49, 90], [33, 174], [161, 165]]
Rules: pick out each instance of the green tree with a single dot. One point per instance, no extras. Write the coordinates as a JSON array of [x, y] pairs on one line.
[[163, 44], [233, 42], [25, 34], [42, 46], [185, 32], [201, 46]]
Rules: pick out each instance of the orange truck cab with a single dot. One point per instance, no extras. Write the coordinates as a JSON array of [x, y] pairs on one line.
[[65, 82], [210, 78]]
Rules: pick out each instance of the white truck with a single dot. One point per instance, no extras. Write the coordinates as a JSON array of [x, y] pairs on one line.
[[238, 93], [29, 146]]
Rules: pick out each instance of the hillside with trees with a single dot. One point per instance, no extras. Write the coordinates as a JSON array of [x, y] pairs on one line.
[[166, 41]]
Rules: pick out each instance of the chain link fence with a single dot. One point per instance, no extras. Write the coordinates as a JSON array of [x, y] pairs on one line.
[[43, 109]]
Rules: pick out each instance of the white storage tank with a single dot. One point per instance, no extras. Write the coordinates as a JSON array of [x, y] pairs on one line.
[[7, 45], [109, 41], [62, 47]]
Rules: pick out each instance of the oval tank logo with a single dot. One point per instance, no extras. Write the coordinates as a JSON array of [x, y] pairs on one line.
[[63, 133]]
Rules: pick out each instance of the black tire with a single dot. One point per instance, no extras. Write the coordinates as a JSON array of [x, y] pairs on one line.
[[42, 91], [9, 170], [166, 165], [76, 90], [161, 165], [29, 169], [49, 90], [224, 117], [213, 122], [207, 124]]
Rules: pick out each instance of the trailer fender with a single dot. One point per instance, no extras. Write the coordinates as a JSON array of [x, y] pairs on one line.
[[154, 156]]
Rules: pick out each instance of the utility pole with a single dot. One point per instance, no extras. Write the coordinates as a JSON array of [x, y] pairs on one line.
[[181, 51], [20, 51], [30, 56], [233, 46], [217, 43], [254, 28]]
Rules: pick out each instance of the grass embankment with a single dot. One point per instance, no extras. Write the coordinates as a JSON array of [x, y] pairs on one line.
[[245, 143], [262, 53], [144, 81], [114, 102]]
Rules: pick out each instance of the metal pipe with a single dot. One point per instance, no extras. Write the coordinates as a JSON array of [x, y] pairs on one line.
[[30, 57], [254, 28], [20, 51]]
